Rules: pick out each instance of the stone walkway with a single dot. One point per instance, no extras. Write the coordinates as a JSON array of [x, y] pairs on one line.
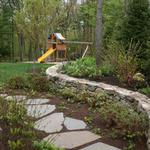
[[64, 132]]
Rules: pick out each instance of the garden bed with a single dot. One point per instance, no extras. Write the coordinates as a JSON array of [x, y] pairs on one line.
[[96, 123], [136, 100], [122, 76], [94, 120]]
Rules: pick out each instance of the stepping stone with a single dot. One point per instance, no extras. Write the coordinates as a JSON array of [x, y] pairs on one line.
[[36, 101], [17, 98], [3, 95], [100, 146], [50, 124], [74, 124], [72, 139], [38, 111]]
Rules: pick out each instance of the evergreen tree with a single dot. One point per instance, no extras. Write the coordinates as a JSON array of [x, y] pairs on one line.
[[136, 24]]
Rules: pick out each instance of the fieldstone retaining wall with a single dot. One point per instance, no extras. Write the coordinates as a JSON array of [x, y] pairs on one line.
[[139, 101]]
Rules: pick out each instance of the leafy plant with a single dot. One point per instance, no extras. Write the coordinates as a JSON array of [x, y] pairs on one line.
[[38, 83], [124, 61], [88, 119], [107, 69], [67, 93], [15, 145], [85, 67], [98, 101], [17, 127], [96, 130], [62, 106], [43, 145], [16, 82], [145, 91], [124, 119]]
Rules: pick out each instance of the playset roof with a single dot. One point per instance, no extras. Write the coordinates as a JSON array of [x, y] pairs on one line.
[[59, 36]]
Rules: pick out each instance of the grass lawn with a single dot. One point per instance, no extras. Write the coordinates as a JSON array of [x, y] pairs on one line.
[[8, 70]]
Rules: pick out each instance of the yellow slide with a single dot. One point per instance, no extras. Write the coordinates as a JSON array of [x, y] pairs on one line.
[[44, 56]]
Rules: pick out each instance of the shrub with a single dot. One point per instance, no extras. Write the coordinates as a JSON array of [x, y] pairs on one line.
[[107, 69], [16, 82], [139, 81], [129, 123], [145, 91], [67, 93], [38, 83], [17, 129], [43, 145], [85, 67], [123, 60], [98, 100]]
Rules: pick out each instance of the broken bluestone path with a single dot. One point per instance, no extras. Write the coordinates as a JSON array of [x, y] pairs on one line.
[[76, 134]]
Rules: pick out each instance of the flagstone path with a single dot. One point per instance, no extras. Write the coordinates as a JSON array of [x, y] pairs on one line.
[[64, 132]]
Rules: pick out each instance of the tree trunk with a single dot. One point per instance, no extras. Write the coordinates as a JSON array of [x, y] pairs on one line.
[[21, 46], [30, 56], [99, 33], [125, 6]]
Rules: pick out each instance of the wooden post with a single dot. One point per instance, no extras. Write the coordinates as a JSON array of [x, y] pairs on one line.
[[85, 51]]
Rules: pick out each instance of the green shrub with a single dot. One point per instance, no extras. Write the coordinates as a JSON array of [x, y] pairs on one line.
[[145, 91], [67, 93], [98, 100], [107, 69], [43, 145], [16, 82], [124, 61], [38, 83], [129, 123], [85, 67], [17, 128]]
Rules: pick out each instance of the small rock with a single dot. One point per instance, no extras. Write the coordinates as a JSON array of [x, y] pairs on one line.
[[74, 124], [91, 88]]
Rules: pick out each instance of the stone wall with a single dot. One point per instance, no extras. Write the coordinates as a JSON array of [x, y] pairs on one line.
[[139, 101]]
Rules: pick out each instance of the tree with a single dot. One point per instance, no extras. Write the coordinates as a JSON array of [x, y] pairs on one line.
[[87, 14], [99, 33], [136, 24], [7, 32], [36, 19]]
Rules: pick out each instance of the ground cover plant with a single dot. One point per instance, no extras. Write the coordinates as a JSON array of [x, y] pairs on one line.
[[18, 131], [145, 91]]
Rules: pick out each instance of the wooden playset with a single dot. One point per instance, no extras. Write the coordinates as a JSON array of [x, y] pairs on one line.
[[57, 49]]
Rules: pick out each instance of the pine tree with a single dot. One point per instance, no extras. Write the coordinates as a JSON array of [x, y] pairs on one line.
[[136, 24]]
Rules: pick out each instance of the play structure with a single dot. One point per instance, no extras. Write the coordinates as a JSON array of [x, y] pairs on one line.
[[57, 48]]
